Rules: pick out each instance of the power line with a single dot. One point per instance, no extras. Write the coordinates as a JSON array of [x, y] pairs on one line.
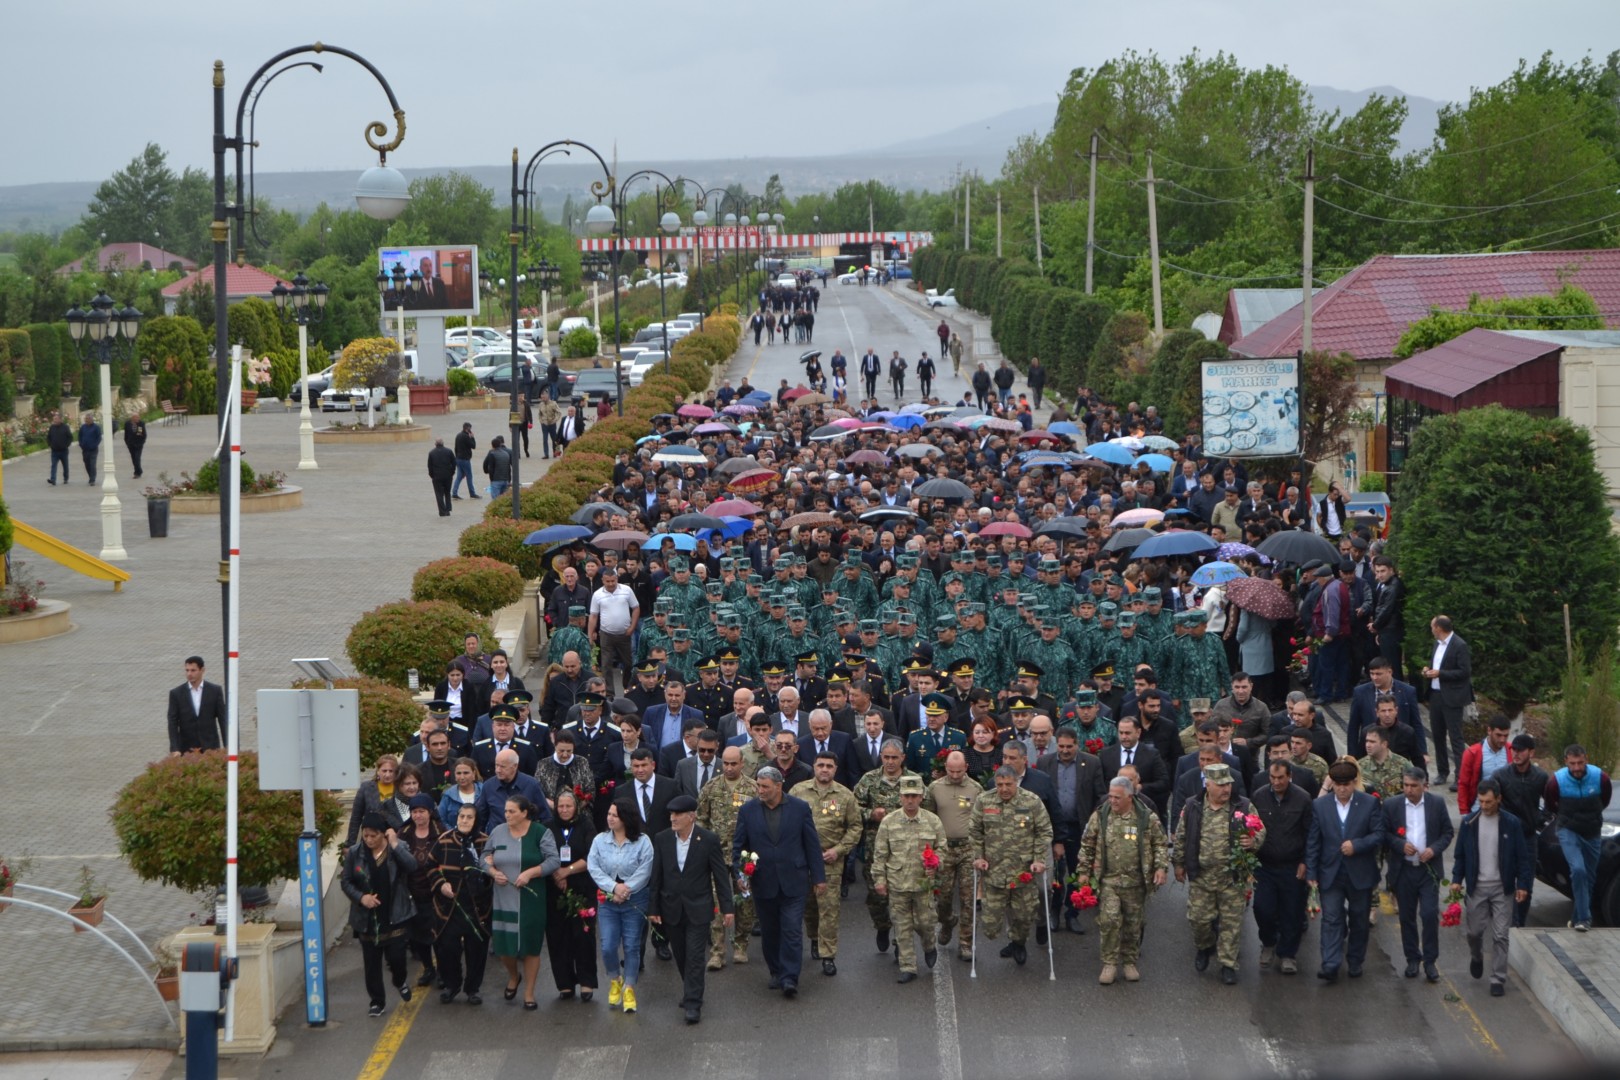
[[1528, 200]]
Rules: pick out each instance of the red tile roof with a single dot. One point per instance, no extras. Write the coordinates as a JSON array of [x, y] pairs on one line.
[[240, 281], [1481, 367], [1365, 312], [131, 256]]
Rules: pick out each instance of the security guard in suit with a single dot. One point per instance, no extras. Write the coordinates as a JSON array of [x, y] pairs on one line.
[[503, 724], [811, 686], [708, 696]]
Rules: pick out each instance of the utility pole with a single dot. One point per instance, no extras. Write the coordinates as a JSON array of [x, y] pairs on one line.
[[1091, 213], [967, 216], [1310, 225], [998, 224], [1153, 243], [1040, 257]]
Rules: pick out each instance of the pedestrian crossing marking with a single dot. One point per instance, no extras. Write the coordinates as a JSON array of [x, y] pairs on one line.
[[876, 1057], [725, 1060], [596, 1062], [464, 1064], [1036, 1055]]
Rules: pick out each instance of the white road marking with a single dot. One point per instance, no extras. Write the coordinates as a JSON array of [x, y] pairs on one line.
[[1036, 1055], [1161, 1058], [464, 1065], [948, 1037], [879, 1057], [721, 1061], [597, 1062]]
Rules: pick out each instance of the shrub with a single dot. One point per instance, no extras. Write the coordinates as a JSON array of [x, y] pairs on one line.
[[461, 382], [1113, 359], [47, 367], [283, 372], [1586, 711], [363, 361], [502, 539], [16, 356], [693, 373], [1520, 494], [1371, 481], [6, 530], [578, 342], [206, 482], [387, 641], [170, 822], [389, 716], [605, 443], [548, 507], [67, 358], [479, 584], [177, 349]]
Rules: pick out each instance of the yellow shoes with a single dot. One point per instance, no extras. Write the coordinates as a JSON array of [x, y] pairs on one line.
[[629, 999], [615, 991]]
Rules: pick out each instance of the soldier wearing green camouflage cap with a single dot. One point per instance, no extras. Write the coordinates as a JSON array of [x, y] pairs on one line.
[[904, 865], [1124, 851], [1213, 832], [878, 793], [682, 660], [1153, 622], [1196, 664], [1060, 668], [718, 804], [571, 638], [1010, 833], [855, 585]]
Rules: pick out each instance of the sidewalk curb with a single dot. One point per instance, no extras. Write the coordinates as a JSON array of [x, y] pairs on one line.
[[90, 1042], [1588, 1017]]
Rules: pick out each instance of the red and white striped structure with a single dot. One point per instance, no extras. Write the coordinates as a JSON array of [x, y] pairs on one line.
[[723, 238]]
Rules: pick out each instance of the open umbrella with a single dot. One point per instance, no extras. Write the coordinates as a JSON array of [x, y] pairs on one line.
[[662, 416], [1066, 427], [1083, 461], [680, 455], [889, 513], [813, 399], [1233, 550], [942, 425], [1129, 442], [943, 488], [1175, 542], [796, 393], [696, 521], [920, 408], [734, 465], [1215, 573], [906, 421], [813, 354], [1039, 435], [1297, 547], [735, 527], [715, 427], [753, 480], [584, 514], [739, 408], [1156, 462], [1158, 442], [810, 519], [695, 411], [648, 439], [866, 457], [1126, 539], [919, 450], [1064, 526], [1262, 597], [881, 414], [734, 508], [683, 541], [829, 432], [1111, 453], [996, 423], [757, 397], [958, 412], [557, 534], [619, 539], [1142, 516], [1006, 528]]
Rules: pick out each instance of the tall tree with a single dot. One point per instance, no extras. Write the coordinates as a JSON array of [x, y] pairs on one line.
[[134, 204]]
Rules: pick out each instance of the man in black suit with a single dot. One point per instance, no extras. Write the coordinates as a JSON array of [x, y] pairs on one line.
[[646, 794], [670, 757], [703, 766], [196, 712], [689, 881], [1152, 775], [1341, 862], [1451, 690], [823, 739], [779, 829], [863, 758], [1417, 828], [1364, 709], [1078, 789]]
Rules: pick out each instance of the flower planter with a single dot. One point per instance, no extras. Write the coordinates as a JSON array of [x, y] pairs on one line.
[[287, 497], [249, 399], [477, 401], [350, 435], [430, 400], [90, 915], [48, 620], [168, 986], [157, 518]]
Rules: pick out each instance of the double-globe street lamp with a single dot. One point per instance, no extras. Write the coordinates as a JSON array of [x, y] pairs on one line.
[[598, 220], [668, 222], [95, 334], [700, 218], [308, 305], [546, 274]]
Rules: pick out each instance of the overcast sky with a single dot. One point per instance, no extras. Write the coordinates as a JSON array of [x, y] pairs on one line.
[[90, 82]]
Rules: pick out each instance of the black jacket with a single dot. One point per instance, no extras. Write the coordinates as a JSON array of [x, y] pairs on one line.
[[202, 729], [1004, 377], [1521, 796], [498, 464], [465, 444], [59, 437], [359, 878], [1288, 824], [441, 464], [695, 893]]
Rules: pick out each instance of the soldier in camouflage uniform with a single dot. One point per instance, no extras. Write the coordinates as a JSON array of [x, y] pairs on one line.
[[1088, 722], [1060, 669], [1381, 769], [878, 793], [1211, 826], [682, 660], [839, 827], [571, 638], [1151, 620], [951, 799], [681, 591], [1124, 850], [655, 632], [899, 873], [718, 804], [1011, 837], [1197, 662], [1131, 649], [855, 587], [758, 753]]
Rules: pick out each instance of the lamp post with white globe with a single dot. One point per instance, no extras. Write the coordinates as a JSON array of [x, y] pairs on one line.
[[308, 304]]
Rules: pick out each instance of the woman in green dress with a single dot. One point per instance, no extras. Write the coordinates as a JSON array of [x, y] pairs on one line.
[[521, 856]]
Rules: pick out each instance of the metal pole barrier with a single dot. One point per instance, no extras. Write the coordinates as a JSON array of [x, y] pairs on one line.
[[973, 915], [1046, 901]]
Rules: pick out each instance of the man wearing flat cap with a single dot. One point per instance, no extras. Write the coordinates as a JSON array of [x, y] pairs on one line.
[[690, 883]]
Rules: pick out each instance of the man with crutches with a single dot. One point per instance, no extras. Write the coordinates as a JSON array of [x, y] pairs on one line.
[[1125, 851], [1010, 833], [951, 798]]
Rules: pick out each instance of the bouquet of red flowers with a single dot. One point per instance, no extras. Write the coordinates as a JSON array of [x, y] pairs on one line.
[[583, 794], [1094, 746], [930, 859], [1022, 879], [1452, 915], [606, 790], [1083, 898]]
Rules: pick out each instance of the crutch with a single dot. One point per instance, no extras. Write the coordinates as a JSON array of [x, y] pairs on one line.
[[1046, 895], [973, 916]]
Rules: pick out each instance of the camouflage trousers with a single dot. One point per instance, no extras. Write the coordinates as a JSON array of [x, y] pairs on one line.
[[1018, 907], [744, 929], [953, 882], [1120, 909], [876, 906], [913, 917], [1215, 906], [821, 912]]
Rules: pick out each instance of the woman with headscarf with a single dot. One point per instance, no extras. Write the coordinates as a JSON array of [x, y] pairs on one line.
[[421, 836], [461, 908], [570, 933], [375, 878], [521, 856]]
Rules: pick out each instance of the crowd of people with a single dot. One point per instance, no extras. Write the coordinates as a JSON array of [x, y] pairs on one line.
[[977, 671]]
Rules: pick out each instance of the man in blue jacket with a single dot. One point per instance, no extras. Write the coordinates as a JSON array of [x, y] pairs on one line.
[[1492, 857], [89, 444], [779, 833], [1341, 861]]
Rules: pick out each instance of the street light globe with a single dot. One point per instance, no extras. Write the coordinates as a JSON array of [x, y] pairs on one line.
[[670, 222], [731, 219], [700, 218], [382, 193], [743, 221], [599, 220], [778, 218]]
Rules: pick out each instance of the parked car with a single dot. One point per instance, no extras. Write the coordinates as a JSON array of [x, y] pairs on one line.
[[649, 334], [645, 362], [596, 383], [575, 322], [487, 336], [944, 299], [318, 382], [693, 317], [1553, 868], [353, 400]]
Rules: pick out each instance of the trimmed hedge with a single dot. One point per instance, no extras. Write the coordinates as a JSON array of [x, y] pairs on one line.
[[461, 382], [502, 539], [426, 635], [389, 716], [481, 585]]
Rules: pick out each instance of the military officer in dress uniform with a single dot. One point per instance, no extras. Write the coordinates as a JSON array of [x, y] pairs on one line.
[[503, 724], [708, 697], [811, 686], [925, 747], [649, 688]]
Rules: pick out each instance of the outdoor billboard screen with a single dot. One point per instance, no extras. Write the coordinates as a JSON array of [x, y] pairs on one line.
[[1251, 407], [449, 279]]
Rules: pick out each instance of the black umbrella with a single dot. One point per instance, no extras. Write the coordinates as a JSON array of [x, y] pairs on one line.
[[696, 521], [943, 488], [813, 354], [1127, 539], [889, 513], [1298, 547], [584, 514], [1063, 526], [944, 425]]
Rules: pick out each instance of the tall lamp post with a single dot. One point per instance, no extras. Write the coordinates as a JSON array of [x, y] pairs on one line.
[[598, 220], [668, 222], [382, 193], [395, 287], [700, 218], [547, 274], [94, 334], [308, 305], [595, 263]]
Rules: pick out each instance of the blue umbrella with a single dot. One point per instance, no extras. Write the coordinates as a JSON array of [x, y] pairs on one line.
[[1215, 573], [683, 541], [1064, 427], [1156, 462], [557, 534], [1112, 453], [906, 421], [1175, 542], [648, 439], [759, 397], [735, 527]]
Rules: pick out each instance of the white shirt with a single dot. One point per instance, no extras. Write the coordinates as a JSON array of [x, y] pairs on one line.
[[196, 699], [1417, 833], [1439, 655], [614, 610], [790, 723], [453, 696], [1344, 810], [681, 848]]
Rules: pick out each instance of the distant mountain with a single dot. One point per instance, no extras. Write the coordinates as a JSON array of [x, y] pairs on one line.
[[1422, 114], [991, 137]]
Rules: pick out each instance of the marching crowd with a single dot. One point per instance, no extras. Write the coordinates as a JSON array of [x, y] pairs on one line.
[[1002, 680]]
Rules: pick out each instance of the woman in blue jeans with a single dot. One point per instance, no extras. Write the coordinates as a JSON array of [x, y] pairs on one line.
[[621, 865]]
